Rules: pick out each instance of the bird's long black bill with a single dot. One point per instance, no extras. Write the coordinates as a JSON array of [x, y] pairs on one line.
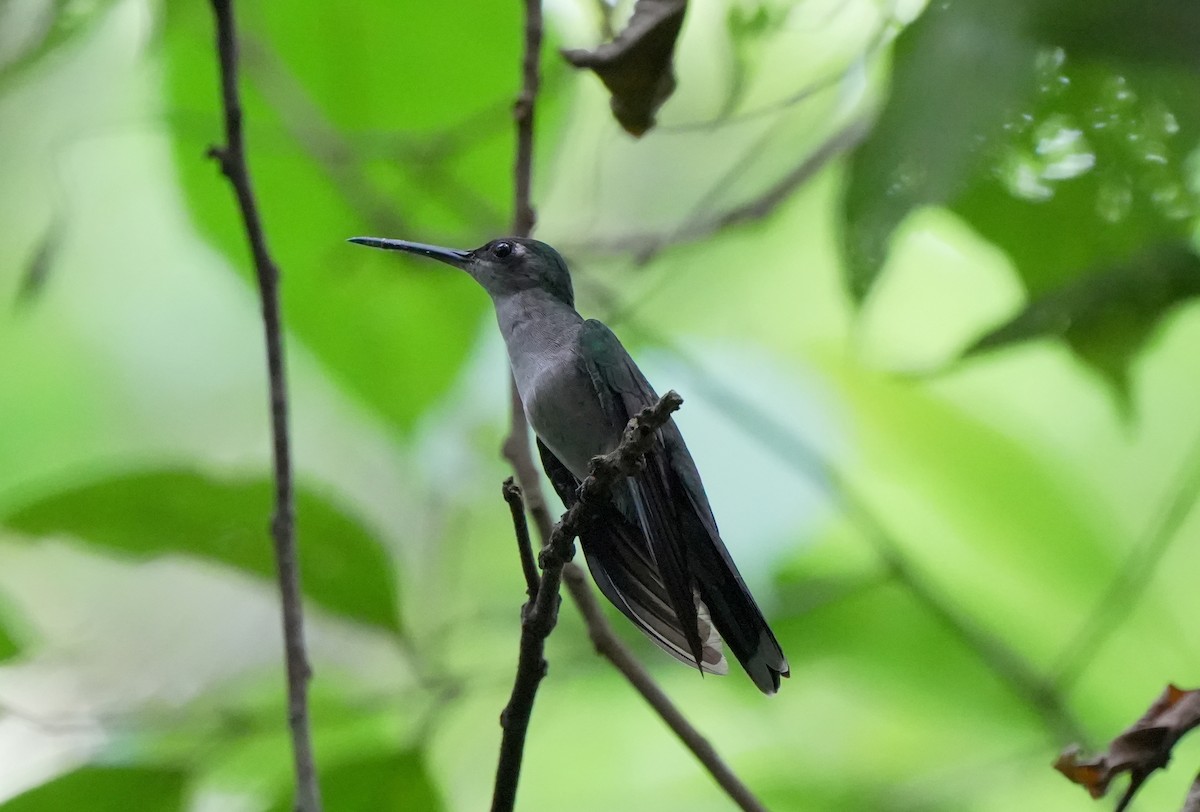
[[448, 255]]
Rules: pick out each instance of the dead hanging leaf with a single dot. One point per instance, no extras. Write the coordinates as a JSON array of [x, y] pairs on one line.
[[636, 67], [1140, 750]]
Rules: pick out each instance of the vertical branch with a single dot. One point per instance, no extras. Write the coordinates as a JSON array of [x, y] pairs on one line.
[[517, 451], [523, 213], [232, 159], [516, 444], [539, 614]]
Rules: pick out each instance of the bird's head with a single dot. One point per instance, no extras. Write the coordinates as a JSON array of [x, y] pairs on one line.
[[503, 266]]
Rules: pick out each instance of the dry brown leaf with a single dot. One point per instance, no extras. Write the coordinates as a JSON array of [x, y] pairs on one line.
[[1140, 750], [636, 67]]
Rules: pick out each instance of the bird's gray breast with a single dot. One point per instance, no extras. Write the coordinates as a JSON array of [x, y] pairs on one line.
[[560, 400], [562, 406]]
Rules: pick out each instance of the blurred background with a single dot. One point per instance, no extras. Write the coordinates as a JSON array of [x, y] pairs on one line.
[[924, 277]]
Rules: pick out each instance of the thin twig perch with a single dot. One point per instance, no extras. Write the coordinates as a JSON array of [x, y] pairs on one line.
[[539, 615]]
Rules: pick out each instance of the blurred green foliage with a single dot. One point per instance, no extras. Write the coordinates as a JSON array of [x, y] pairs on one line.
[[150, 514], [968, 569], [106, 788], [298, 109], [397, 781], [41, 31], [1070, 159]]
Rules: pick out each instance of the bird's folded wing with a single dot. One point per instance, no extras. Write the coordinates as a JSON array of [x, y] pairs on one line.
[[647, 499], [668, 501], [617, 556]]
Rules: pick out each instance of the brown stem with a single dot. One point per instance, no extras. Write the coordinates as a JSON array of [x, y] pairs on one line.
[[517, 451], [609, 646], [232, 159], [539, 615], [524, 216], [516, 505]]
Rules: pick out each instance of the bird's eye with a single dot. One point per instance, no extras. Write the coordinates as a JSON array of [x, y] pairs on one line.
[[502, 249]]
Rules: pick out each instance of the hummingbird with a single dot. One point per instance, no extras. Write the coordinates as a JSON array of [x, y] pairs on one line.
[[654, 550]]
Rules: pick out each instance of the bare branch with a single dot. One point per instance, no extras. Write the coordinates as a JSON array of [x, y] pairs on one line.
[[232, 159], [516, 450], [531, 665], [609, 646], [605, 640], [524, 216], [645, 246], [540, 614], [516, 505]]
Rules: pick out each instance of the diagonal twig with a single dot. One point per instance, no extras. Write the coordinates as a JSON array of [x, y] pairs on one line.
[[539, 615], [1127, 587], [232, 160], [609, 646], [343, 159], [645, 246], [1013, 668]]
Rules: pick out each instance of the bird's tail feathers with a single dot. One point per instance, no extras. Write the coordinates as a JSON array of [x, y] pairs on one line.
[[619, 564]]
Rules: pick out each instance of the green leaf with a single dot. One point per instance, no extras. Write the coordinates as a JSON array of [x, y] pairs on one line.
[[432, 164], [1106, 317], [1094, 172], [105, 789], [1164, 32], [1091, 200], [154, 513], [8, 645], [749, 30], [959, 70], [1069, 159], [393, 781], [1059, 161]]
